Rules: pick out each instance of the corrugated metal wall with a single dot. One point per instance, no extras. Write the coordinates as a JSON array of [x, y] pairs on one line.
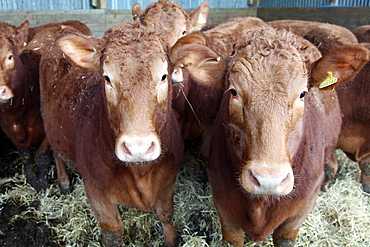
[[186, 4], [312, 3], [44, 4]]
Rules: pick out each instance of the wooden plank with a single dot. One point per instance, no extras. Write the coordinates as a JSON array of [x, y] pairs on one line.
[[350, 17], [221, 15]]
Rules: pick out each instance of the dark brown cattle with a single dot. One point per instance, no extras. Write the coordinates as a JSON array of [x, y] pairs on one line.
[[354, 138], [112, 116], [19, 102], [299, 27], [328, 36], [323, 35], [352, 98], [199, 67], [274, 130], [362, 33], [20, 107], [71, 23]]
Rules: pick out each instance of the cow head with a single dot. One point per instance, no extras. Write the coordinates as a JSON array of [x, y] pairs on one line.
[[133, 66], [265, 103], [12, 41], [171, 18], [190, 55]]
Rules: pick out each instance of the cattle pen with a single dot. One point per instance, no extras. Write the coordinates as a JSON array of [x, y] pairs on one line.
[[341, 216]]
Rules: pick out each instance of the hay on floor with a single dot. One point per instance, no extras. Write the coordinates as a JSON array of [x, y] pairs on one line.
[[341, 216]]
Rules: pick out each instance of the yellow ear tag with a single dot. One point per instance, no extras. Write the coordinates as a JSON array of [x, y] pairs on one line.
[[330, 80]]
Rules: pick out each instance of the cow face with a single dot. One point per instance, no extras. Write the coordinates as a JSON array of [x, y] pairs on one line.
[[11, 71], [133, 68], [169, 17], [267, 84], [266, 105]]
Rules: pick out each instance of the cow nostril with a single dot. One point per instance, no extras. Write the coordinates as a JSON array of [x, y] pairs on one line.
[[285, 180], [2, 91], [125, 149], [151, 148], [253, 179]]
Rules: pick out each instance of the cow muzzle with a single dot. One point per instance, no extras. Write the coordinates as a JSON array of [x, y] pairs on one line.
[[263, 179], [6, 93], [138, 148]]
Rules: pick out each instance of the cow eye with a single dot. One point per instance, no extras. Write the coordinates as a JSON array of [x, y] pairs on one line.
[[302, 94], [164, 77], [107, 79], [10, 57], [184, 32], [234, 92]]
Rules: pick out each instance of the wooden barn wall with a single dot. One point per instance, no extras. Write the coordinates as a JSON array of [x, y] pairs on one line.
[[349, 17], [100, 20]]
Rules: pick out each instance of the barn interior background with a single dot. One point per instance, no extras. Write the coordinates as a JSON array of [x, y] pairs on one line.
[[100, 15], [342, 213]]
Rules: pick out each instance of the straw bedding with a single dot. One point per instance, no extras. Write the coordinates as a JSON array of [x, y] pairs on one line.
[[341, 216]]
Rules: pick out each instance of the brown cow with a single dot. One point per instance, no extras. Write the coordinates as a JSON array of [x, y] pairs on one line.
[[362, 33], [112, 116], [299, 27], [328, 36], [352, 96], [325, 37], [168, 16], [273, 132], [19, 101], [163, 16], [354, 138], [20, 115], [199, 67], [71, 23]]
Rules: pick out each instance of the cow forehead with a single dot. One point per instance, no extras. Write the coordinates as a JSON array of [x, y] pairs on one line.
[[7, 29], [5, 46], [269, 65]]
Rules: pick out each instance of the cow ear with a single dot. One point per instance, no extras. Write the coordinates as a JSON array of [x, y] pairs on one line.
[[193, 38], [203, 65], [136, 11], [20, 40], [338, 66], [80, 50], [198, 17]]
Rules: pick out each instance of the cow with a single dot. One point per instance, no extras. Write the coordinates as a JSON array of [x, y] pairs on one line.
[[20, 116], [200, 61], [171, 18], [164, 15], [354, 137], [328, 36], [353, 99], [107, 109], [325, 37], [71, 23], [362, 34], [274, 130], [299, 27]]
